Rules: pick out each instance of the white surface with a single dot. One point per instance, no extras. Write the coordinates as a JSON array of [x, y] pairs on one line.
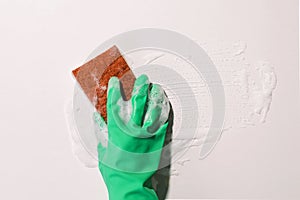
[[42, 41]]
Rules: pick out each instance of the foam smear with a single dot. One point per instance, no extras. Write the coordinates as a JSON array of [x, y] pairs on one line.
[[262, 97], [249, 88]]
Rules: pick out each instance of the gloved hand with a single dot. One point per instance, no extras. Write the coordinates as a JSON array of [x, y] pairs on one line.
[[132, 152]]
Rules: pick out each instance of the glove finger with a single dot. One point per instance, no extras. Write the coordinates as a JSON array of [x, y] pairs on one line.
[[101, 152], [139, 98], [99, 121], [101, 130], [103, 138], [113, 92], [158, 109], [154, 107], [113, 96]]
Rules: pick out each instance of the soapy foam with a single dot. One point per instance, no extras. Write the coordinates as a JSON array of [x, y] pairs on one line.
[[248, 89]]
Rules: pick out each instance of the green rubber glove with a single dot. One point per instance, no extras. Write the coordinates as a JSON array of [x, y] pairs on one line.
[[132, 152]]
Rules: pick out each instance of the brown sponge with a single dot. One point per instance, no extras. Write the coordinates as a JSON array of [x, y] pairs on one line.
[[94, 75]]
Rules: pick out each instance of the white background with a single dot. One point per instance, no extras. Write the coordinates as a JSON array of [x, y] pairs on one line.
[[42, 41]]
